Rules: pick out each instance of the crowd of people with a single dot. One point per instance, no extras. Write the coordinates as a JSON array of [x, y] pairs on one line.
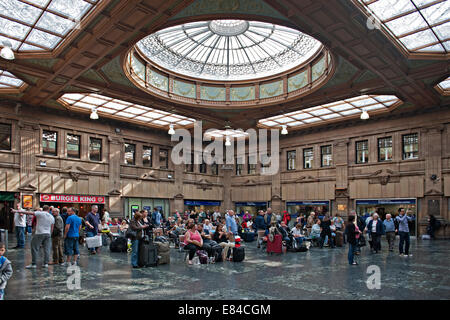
[[63, 232]]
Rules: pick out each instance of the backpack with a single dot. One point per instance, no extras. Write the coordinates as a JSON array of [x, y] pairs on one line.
[[202, 256], [238, 254]]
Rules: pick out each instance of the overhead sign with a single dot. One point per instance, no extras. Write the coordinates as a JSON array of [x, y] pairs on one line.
[[385, 201], [307, 203], [201, 203], [251, 204], [71, 198]]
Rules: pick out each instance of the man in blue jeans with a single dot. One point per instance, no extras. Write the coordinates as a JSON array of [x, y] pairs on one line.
[[92, 221], [403, 231], [71, 235], [20, 223], [231, 223]]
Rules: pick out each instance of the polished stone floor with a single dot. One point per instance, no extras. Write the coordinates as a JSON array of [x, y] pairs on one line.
[[317, 274]]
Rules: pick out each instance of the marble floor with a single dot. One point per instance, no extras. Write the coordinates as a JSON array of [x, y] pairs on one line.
[[316, 274]]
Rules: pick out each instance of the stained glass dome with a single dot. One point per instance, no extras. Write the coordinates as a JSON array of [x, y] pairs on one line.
[[228, 49]]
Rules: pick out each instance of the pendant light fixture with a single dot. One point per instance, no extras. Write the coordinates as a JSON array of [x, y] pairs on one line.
[[6, 52], [171, 130], [227, 142], [365, 115], [284, 130], [94, 114]]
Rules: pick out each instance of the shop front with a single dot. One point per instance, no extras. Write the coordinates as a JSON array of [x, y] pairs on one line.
[[131, 205], [251, 207], [6, 204], [200, 205], [297, 208], [82, 203], [385, 206]]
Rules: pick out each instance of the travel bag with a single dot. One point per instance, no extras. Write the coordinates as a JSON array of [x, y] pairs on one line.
[[148, 253], [202, 256], [275, 246], [119, 245], [339, 238], [163, 251], [238, 254], [94, 242], [248, 236]]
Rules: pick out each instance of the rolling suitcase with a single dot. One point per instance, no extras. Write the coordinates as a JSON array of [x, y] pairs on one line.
[[163, 250], [148, 254], [339, 238], [275, 246], [248, 236], [238, 254], [119, 245]]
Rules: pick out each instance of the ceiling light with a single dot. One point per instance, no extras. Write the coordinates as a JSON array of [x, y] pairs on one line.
[[94, 114], [7, 52], [227, 142], [364, 115], [284, 130], [171, 131]]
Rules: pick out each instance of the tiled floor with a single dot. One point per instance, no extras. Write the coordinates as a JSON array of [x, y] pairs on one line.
[[317, 274]]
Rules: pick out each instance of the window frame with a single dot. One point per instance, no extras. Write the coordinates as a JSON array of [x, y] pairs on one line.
[[101, 148], [288, 167], [304, 157], [79, 145], [151, 156], [356, 151], [55, 154], [404, 145], [10, 136], [322, 154], [166, 167], [379, 149], [125, 152]]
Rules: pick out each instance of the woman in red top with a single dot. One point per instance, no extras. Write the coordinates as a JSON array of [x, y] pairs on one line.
[[193, 240]]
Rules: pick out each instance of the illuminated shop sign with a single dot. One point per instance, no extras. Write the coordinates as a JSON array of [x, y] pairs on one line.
[[71, 198], [386, 201]]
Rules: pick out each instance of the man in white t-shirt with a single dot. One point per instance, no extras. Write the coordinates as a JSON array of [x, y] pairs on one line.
[[42, 237], [20, 223]]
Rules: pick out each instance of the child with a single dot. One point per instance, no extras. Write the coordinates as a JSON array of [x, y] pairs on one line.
[[5, 270]]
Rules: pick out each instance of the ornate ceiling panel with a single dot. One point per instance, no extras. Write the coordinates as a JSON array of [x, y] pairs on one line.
[[41, 25]]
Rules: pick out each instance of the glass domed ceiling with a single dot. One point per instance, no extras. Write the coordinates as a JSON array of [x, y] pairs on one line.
[[228, 49]]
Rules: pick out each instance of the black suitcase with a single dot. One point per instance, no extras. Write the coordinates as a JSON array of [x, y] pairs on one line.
[[248, 236], [238, 254], [148, 254], [119, 245], [217, 249]]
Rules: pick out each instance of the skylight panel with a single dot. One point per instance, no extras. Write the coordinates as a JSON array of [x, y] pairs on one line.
[[143, 118], [134, 110], [74, 96], [115, 105], [284, 120], [339, 110], [311, 120], [40, 24], [163, 123], [106, 110], [320, 112], [94, 101], [153, 115], [125, 114], [414, 23], [301, 116], [349, 112], [84, 105]]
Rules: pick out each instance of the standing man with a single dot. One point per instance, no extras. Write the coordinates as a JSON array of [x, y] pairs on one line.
[[389, 227], [92, 220], [20, 223], [156, 217], [57, 238], [64, 215], [376, 229], [71, 235], [403, 231], [231, 223], [42, 236], [260, 227], [216, 215]]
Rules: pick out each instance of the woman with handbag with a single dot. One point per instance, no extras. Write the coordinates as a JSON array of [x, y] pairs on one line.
[[135, 233], [353, 234]]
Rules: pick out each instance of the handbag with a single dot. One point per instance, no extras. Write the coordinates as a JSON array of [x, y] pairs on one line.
[[131, 234]]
